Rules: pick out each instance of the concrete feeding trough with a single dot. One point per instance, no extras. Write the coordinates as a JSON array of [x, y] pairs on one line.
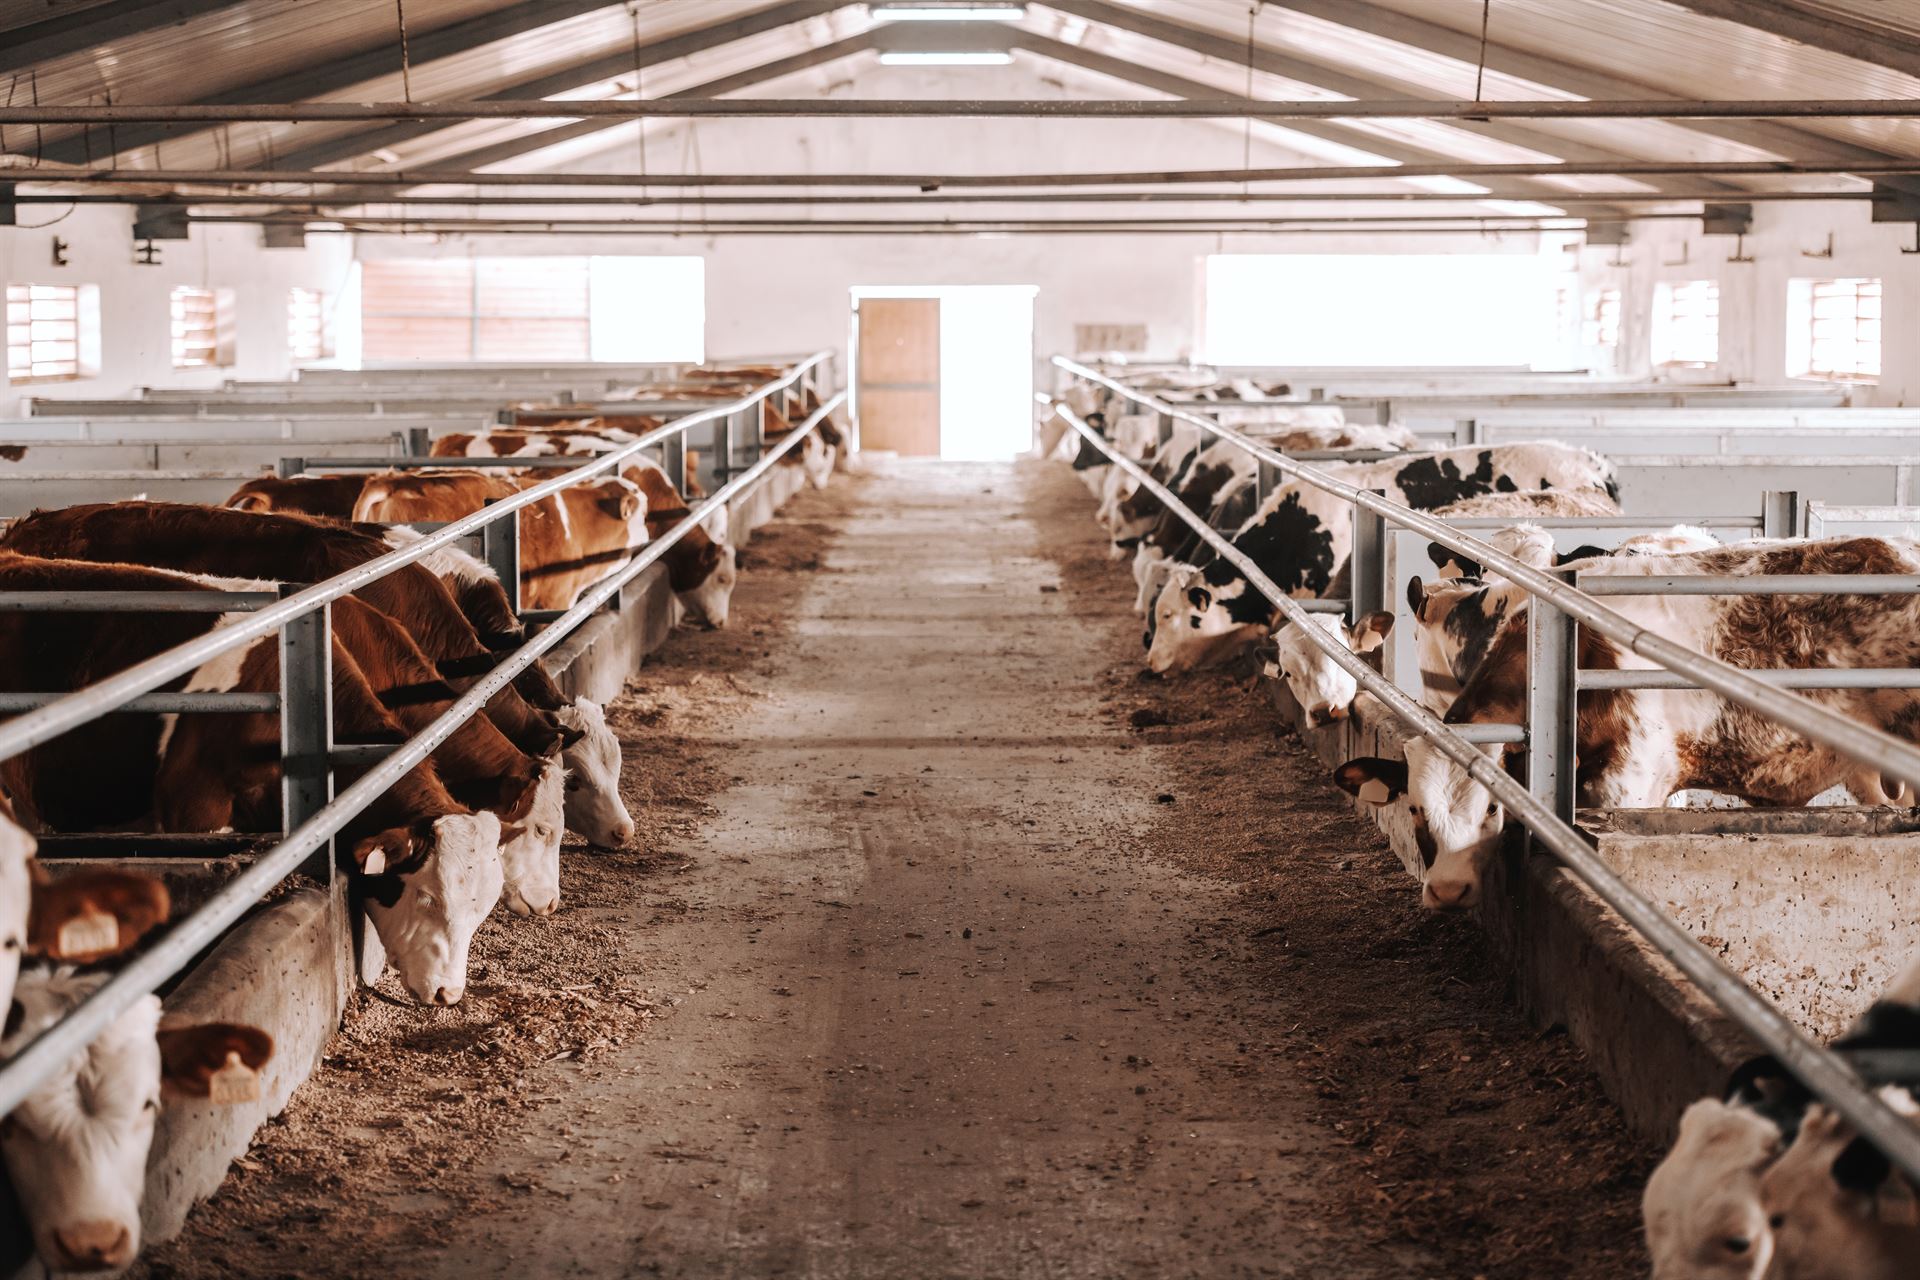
[[1814, 908]]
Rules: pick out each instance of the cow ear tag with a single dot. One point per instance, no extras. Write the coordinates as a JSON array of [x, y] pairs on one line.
[[1374, 791], [91, 933], [235, 1082], [1271, 670]]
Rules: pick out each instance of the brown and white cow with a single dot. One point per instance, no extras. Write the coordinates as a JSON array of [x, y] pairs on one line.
[[307, 495], [292, 548], [568, 540], [76, 1149], [1635, 748], [431, 865], [702, 567]]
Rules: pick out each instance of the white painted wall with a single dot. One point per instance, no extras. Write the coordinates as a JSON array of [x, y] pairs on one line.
[[1753, 296], [134, 317]]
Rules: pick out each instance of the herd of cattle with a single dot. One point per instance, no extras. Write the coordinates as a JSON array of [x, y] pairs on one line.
[[479, 822], [1764, 1182]]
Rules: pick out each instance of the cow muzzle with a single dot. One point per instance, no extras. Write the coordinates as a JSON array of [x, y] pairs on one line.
[[93, 1246]]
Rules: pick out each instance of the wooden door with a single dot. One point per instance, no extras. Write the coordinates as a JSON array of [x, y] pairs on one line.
[[899, 361]]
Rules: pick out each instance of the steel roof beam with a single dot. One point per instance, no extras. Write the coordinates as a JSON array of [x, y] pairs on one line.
[[1417, 33], [70, 33], [1880, 45], [1164, 82], [1334, 79], [623, 61], [446, 42]]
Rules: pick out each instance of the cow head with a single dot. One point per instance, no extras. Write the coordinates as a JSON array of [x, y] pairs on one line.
[[1837, 1207], [1456, 822], [1193, 625], [709, 600], [428, 887], [76, 1149], [16, 888], [530, 834], [1702, 1207], [594, 808], [1321, 686]]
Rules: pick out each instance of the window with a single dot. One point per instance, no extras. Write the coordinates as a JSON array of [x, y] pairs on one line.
[[1833, 329], [309, 326], [1600, 327], [203, 327], [53, 332], [1383, 310], [1686, 324], [517, 310]]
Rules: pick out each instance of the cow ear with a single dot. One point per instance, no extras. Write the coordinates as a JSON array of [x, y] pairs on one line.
[[1372, 779], [94, 915], [621, 505], [1417, 597], [1439, 555], [1199, 597], [217, 1060], [250, 502], [1371, 631], [385, 853]]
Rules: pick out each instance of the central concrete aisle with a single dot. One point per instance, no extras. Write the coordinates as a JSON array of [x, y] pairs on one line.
[[938, 1014]]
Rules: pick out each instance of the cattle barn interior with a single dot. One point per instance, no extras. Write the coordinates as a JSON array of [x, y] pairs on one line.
[[960, 638]]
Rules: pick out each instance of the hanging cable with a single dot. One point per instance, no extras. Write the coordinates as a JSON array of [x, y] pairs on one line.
[[1480, 75], [406, 58]]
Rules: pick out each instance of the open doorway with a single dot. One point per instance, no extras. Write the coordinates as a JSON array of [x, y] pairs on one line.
[[944, 370]]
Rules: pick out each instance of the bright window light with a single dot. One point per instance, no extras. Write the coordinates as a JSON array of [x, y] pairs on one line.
[[945, 59], [1833, 329], [1381, 309], [949, 13], [1686, 324]]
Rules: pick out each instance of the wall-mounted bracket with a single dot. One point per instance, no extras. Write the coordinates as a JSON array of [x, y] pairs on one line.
[[1740, 253], [1820, 253], [60, 248], [1726, 219], [1685, 258], [146, 254], [160, 222]]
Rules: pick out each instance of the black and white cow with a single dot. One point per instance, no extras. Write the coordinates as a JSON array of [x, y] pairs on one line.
[[1763, 1182], [1301, 536], [1325, 690], [1636, 748]]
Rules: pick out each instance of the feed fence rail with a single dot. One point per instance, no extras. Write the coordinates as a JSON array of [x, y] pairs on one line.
[[1544, 800], [313, 816]]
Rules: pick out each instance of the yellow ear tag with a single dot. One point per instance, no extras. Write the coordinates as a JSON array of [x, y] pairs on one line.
[[235, 1082], [1271, 671], [93, 933], [1374, 791]]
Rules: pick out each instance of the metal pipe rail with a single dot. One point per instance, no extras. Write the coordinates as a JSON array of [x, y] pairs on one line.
[[176, 949], [97, 700], [1827, 1075], [1849, 737], [969, 108]]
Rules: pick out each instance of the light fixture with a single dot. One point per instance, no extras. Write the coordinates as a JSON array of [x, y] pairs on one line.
[[946, 59], [948, 12]]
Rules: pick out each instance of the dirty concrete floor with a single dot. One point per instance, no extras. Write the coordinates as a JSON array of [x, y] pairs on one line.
[[938, 1014]]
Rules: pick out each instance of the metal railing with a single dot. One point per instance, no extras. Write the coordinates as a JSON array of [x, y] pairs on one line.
[[312, 818], [1544, 801]]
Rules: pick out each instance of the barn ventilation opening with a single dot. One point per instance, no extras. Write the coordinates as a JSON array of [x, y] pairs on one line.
[[944, 370]]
